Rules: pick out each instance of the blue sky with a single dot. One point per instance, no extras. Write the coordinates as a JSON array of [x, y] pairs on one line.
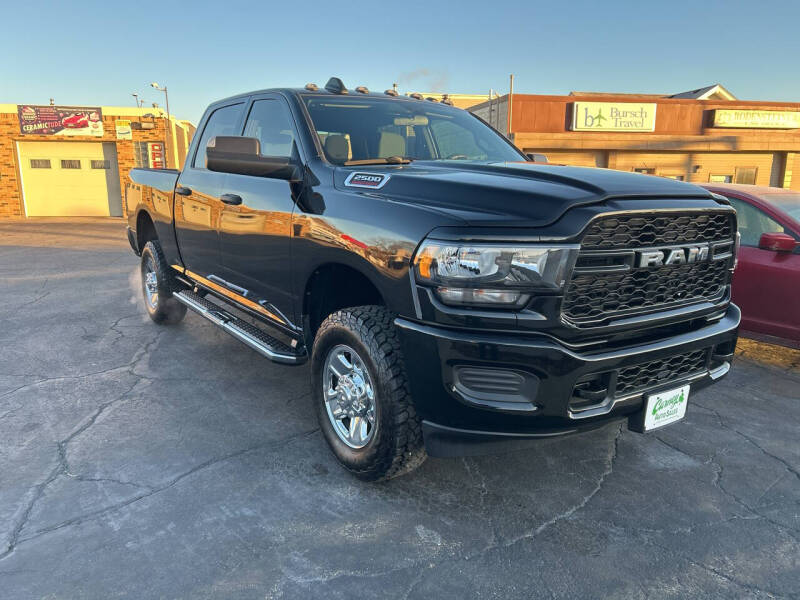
[[98, 53]]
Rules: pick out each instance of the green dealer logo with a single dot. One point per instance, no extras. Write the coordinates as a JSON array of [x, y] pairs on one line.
[[665, 404]]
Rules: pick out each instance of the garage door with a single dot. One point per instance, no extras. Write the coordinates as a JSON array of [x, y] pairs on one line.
[[70, 179]]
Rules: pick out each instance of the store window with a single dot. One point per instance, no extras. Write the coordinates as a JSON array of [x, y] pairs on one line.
[[101, 164], [675, 177], [140, 155], [746, 175], [70, 164], [40, 163], [720, 178], [645, 171], [753, 223]]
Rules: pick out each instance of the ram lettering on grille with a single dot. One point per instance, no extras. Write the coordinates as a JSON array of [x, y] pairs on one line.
[[672, 259]]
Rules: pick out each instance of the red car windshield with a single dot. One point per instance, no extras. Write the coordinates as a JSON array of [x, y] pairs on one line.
[[788, 203]]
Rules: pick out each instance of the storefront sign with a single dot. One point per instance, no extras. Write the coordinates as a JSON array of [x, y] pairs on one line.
[[155, 155], [123, 128], [613, 116], [757, 119], [60, 120]]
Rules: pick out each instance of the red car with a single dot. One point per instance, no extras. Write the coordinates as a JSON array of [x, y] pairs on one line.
[[766, 284], [76, 121]]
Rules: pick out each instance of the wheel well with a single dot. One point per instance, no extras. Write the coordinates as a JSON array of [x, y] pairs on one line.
[[145, 230], [333, 287]]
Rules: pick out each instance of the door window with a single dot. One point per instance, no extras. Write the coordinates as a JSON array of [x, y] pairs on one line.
[[753, 222], [271, 123], [222, 121]]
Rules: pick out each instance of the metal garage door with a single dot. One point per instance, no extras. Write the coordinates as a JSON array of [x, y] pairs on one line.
[[70, 179]]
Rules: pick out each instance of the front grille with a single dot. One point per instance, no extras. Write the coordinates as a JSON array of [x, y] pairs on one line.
[[641, 231], [656, 372], [595, 295], [607, 284]]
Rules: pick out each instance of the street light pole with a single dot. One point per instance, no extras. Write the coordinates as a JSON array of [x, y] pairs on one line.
[[168, 123]]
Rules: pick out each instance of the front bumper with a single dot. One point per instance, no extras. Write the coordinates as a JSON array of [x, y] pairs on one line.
[[459, 420]]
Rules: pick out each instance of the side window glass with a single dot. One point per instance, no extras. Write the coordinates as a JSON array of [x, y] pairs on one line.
[[753, 222], [271, 122], [221, 122]]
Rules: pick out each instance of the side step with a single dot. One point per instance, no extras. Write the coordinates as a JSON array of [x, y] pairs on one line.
[[258, 340]]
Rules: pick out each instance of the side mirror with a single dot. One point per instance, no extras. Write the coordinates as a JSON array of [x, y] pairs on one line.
[[537, 158], [777, 242], [242, 156]]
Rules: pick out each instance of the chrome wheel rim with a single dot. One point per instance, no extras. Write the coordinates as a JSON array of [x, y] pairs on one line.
[[349, 396], [150, 283]]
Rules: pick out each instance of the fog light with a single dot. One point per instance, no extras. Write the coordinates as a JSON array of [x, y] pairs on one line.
[[469, 296]]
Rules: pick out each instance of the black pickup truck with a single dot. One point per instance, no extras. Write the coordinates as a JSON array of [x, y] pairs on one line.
[[452, 296]]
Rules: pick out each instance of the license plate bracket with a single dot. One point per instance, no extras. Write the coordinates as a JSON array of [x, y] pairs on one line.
[[661, 409]]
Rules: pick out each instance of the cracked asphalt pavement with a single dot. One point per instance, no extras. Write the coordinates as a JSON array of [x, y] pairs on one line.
[[139, 461]]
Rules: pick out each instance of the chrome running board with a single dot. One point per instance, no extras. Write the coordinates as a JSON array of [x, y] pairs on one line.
[[257, 339]]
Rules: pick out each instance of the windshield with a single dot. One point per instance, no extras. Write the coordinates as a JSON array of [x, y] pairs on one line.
[[788, 203], [363, 129]]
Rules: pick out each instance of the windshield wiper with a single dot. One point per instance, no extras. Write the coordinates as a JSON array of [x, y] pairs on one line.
[[389, 160]]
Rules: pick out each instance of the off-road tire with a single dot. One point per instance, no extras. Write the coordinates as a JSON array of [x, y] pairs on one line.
[[396, 445], [167, 310]]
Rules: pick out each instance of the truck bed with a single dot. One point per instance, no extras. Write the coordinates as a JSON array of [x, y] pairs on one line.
[[159, 179]]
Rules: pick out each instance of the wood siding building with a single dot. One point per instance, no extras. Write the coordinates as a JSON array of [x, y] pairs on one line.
[[696, 140]]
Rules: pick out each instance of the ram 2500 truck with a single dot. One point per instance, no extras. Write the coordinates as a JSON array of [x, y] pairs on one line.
[[450, 295]]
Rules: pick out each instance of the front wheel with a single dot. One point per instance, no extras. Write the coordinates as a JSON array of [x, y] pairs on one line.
[[157, 285], [361, 395]]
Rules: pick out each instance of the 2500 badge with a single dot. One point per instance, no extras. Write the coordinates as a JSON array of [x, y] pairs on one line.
[[373, 181]]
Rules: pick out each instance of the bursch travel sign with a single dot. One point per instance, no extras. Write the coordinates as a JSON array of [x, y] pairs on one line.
[[613, 116]]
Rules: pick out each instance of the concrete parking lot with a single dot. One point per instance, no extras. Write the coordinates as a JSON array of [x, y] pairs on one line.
[[138, 461]]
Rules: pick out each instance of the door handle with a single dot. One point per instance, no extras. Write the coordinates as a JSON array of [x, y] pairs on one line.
[[232, 199], [183, 191]]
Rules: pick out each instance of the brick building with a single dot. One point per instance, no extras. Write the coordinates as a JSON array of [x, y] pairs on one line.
[[704, 135], [74, 161]]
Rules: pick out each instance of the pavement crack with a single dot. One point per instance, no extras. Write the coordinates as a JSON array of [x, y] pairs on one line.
[[612, 457], [151, 492], [61, 468], [789, 467]]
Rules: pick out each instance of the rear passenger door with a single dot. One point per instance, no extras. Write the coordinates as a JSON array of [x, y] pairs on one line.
[[255, 234], [197, 196]]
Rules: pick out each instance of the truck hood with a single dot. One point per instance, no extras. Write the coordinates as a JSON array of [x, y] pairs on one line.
[[522, 194]]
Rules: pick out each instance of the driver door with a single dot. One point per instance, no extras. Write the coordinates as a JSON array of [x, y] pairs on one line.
[[255, 233]]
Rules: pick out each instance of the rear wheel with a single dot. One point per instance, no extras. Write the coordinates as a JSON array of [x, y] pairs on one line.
[[361, 395], [157, 287]]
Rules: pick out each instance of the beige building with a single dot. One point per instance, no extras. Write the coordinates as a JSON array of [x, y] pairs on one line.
[[74, 160], [703, 135]]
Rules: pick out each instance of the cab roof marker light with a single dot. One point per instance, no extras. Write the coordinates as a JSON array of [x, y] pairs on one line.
[[335, 86], [312, 87], [362, 89], [390, 92]]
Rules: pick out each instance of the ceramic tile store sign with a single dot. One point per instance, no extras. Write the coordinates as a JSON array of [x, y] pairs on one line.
[[613, 116], [60, 120]]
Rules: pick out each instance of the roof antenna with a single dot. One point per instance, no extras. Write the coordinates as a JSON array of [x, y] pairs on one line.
[[335, 86]]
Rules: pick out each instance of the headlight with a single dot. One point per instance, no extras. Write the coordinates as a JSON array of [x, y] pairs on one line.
[[492, 274]]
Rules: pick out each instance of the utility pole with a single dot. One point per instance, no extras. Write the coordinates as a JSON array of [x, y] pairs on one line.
[[510, 103], [168, 123]]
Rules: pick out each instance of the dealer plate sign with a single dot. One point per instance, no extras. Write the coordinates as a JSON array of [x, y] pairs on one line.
[[665, 407]]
